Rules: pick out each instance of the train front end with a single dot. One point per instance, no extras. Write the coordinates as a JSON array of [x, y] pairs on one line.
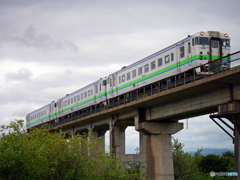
[[213, 50]]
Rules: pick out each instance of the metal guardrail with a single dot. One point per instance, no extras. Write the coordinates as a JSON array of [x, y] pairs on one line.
[[219, 65]]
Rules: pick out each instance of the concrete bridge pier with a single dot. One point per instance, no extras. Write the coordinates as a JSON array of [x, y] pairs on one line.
[[157, 147]]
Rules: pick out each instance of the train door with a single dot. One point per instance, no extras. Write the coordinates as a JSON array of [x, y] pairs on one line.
[[102, 89], [95, 91], [112, 84], [54, 110], [215, 47], [115, 81], [189, 54], [181, 54], [109, 87], [59, 108]]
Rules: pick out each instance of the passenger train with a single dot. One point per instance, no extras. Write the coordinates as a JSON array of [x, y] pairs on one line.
[[192, 51]]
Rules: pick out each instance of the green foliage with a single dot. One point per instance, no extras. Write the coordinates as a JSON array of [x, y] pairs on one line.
[[214, 163], [185, 166], [228, 154], [44, 155], [198, 167]]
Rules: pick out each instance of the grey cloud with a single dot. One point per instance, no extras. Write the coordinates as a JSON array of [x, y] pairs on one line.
[[48, 87], [34, 39], [20, 75]]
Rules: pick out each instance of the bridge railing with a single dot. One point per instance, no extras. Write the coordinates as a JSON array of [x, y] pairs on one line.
[[194, 74]]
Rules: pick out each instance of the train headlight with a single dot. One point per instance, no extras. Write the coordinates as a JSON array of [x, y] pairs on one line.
[[226, 35], [202, 33]]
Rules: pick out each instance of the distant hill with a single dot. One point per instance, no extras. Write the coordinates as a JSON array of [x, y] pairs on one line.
[[211, 151]]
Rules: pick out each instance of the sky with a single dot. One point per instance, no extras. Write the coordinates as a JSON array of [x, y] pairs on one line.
[[51, 48]]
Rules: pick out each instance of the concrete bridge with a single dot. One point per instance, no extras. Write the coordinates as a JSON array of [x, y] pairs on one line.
[[156, 114]]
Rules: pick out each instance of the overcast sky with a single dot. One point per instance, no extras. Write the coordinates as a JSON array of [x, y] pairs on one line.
[[51, 48]]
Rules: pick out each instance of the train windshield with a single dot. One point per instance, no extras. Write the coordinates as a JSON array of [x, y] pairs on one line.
[[203, 40], [226, 42]]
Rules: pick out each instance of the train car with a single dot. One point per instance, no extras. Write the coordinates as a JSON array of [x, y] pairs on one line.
[[191, 52], [38, 116]]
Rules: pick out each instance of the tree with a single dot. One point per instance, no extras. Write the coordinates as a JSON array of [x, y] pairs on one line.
[[185, 166], [228, 154], [215, 163], [44, 155]]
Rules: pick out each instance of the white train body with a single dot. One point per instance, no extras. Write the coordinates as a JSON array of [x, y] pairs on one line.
[[191, 52]]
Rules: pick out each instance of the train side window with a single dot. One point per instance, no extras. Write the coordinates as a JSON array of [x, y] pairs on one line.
[[123, 78], [159, 62], [75, 98], [114, 81], [192, 41], [68, 101], [172, 56], [104, 82], [81, 96], [196, 40], [189, 48], [120, 80], [225, 42], [78, 97], [134, 73], [139, 71], [167, 59], [110, 82], [96, 89], [128, 75], [85, 94], [182, 51], [89, 93], [65, 103], [146, 68], [100, 87], [153, 65], [71, 100]]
